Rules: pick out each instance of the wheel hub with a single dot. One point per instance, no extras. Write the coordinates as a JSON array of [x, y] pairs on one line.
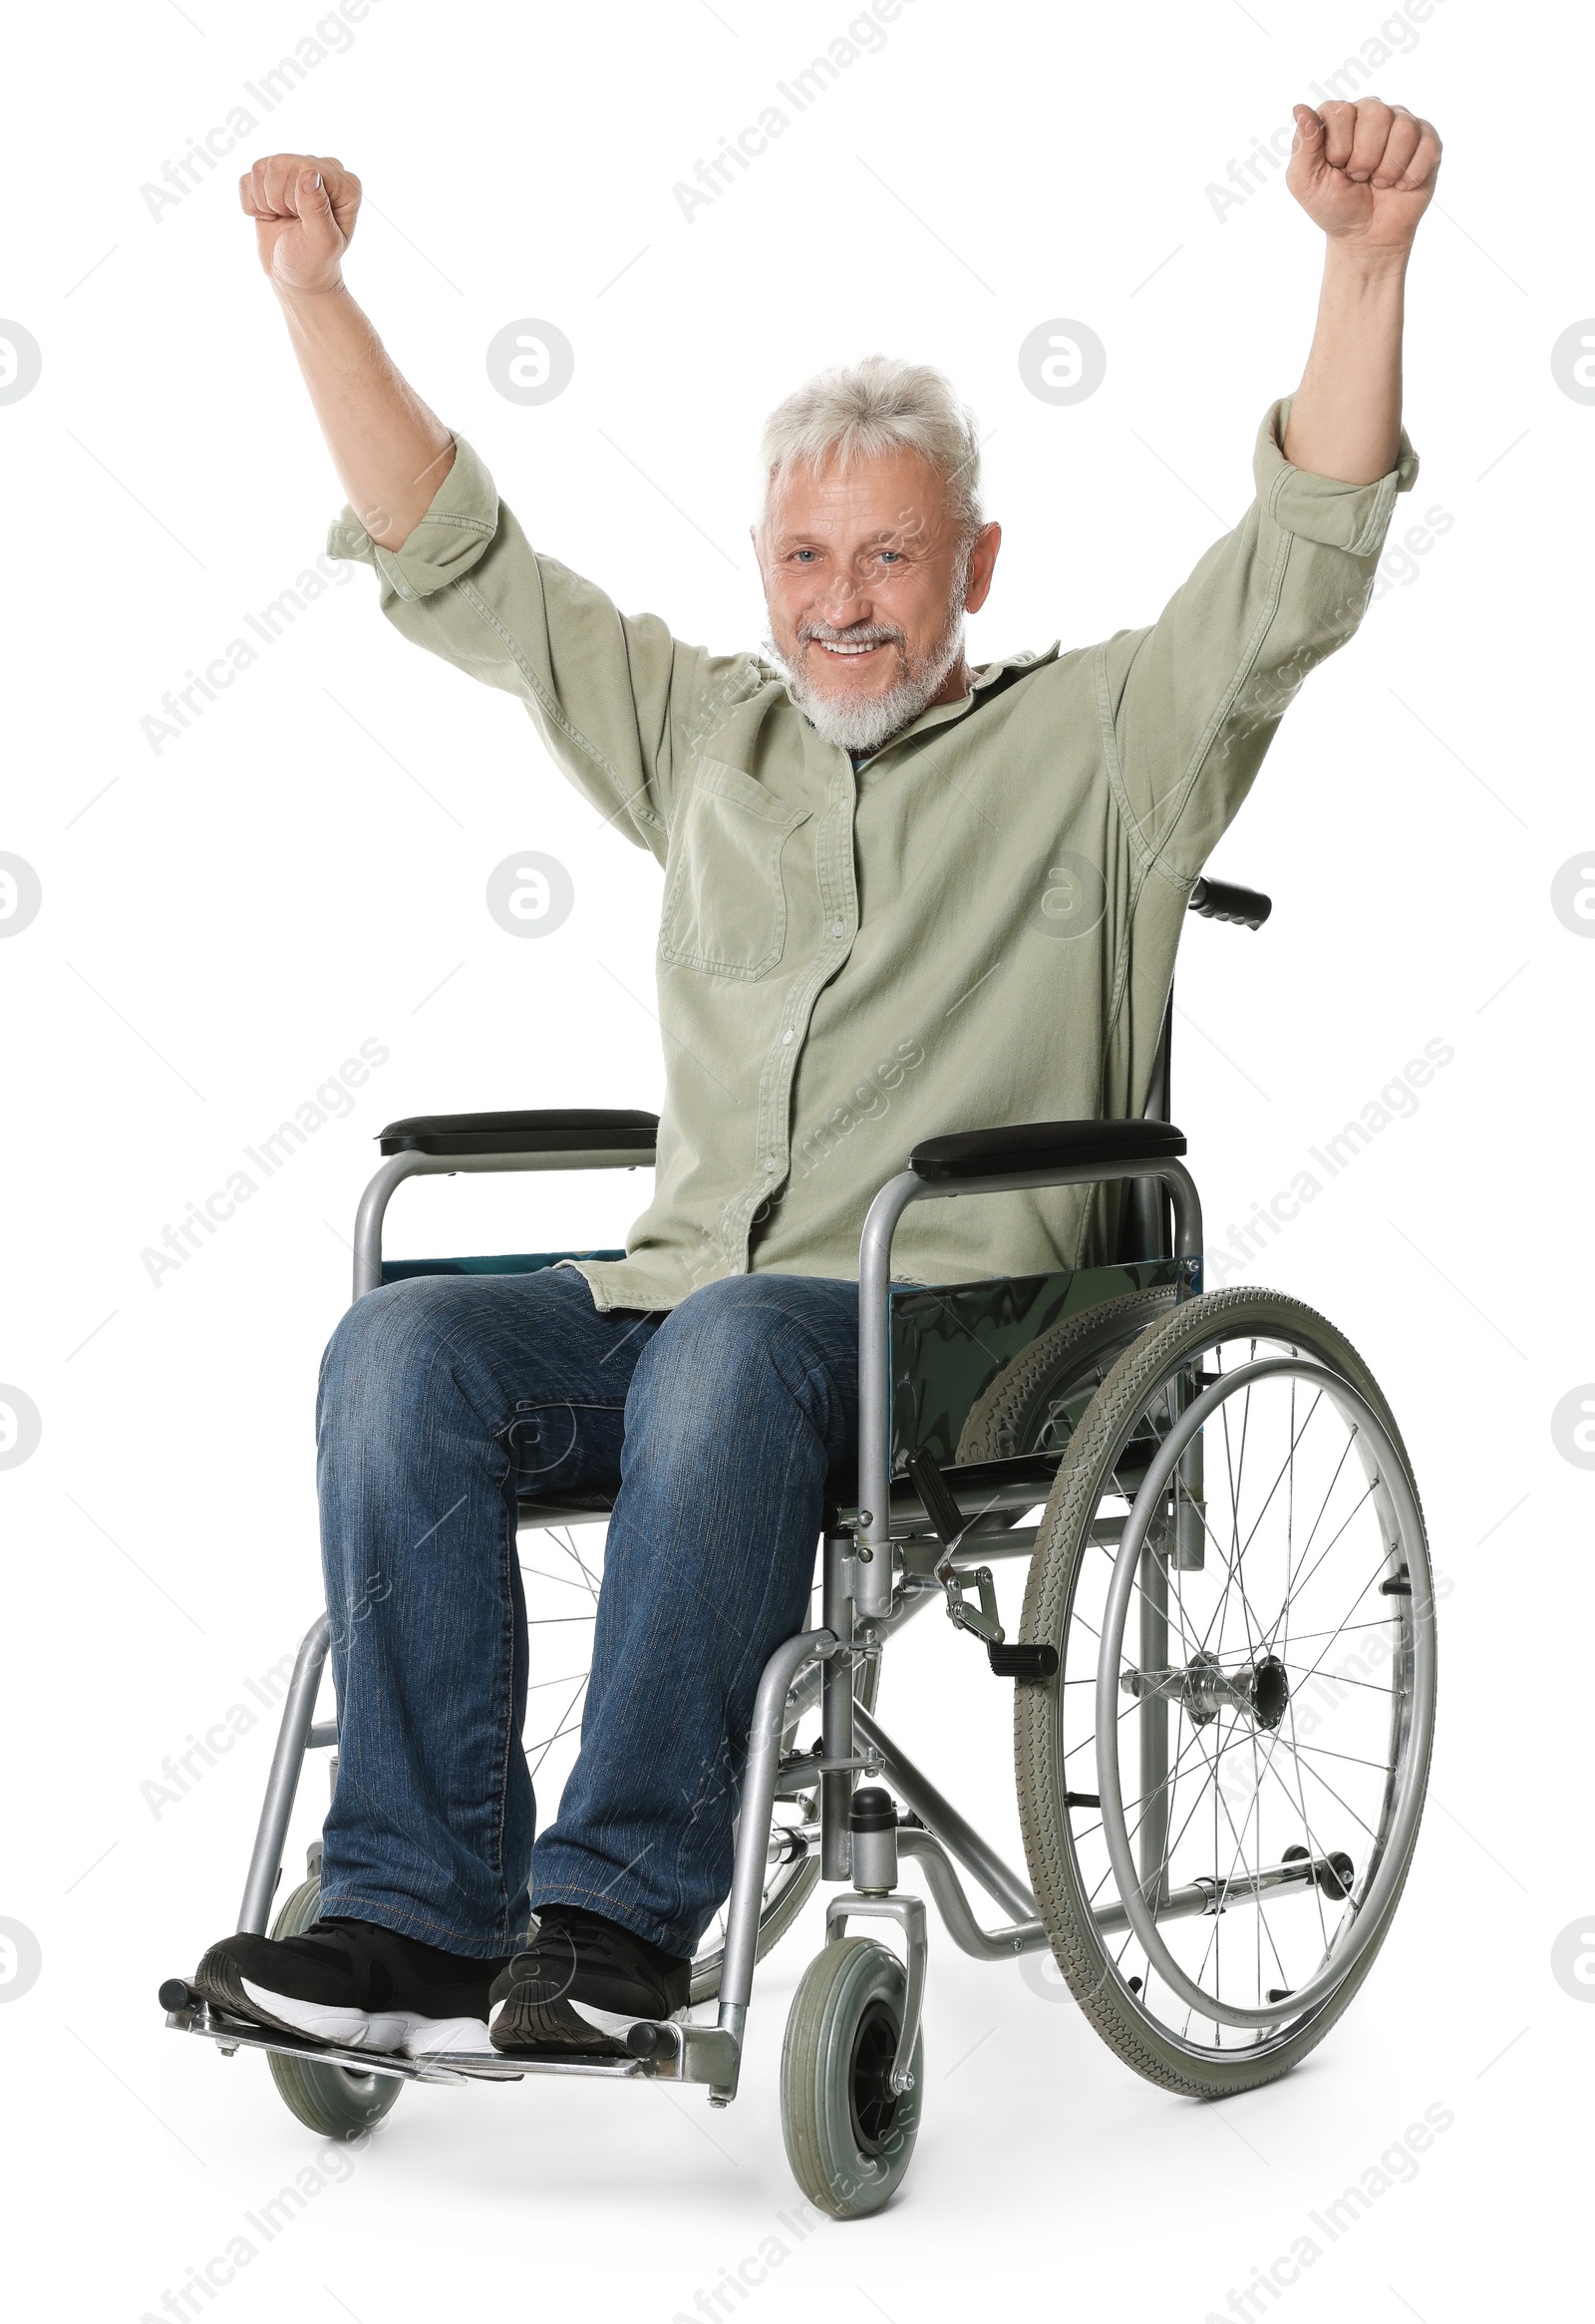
[[872, 2098], [1259, 1691]]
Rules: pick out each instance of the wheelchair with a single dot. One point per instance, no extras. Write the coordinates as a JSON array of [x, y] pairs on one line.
[[1223, 1673]]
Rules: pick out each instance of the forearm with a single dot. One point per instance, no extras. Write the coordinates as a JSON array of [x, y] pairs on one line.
[[1346, 419], [390, 450]]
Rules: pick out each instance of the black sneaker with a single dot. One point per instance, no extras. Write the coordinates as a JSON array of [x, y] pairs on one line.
[[580, 1983], [350, 1983]]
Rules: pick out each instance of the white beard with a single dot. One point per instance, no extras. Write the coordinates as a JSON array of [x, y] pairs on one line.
[[863, 722]]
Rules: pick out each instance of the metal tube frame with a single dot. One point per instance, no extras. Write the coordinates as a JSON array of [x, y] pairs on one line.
[[283, 1784], [837, 1708], [297, 1732], [398, 1167], [909, 1914], [753, 1837], [941, 1818], [874, 1323], [858, 1606]]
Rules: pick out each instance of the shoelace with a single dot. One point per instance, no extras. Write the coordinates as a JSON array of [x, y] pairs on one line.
[[564, 1945], [367, 1957]]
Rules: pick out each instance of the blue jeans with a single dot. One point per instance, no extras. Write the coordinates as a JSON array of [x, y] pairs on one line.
[[718, 1423]]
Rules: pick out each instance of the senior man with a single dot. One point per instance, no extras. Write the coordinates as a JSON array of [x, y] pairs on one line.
[[869, 850]]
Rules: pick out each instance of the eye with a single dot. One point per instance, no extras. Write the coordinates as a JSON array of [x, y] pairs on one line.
[[893, 556], [798, 554]]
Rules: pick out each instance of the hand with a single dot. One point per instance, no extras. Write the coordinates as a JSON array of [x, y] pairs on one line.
[[304, 207], [1363, 173]]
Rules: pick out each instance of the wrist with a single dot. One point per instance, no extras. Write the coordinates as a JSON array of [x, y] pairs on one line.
[[302, 299], [1360, 265]]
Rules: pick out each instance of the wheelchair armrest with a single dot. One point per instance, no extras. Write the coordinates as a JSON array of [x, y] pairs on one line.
[[558, 1129], [1030, 1146]]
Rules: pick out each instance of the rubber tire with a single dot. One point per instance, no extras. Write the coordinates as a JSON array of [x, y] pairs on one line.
[[837, 1987], [1008, 1419], [328, 2100], [1242, 1313]]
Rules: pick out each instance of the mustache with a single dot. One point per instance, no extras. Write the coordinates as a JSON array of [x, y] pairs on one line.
[[856, 633]]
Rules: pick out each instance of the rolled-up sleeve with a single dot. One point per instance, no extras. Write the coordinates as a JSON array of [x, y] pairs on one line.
[[618, 701], [1190, 706]]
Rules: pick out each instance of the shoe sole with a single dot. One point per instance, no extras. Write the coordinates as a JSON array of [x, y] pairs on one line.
[[219, 1979], [451, 2037], [515, 2026], [405, 2032]]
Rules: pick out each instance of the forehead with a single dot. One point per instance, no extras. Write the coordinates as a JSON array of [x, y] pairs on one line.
[[898, 492]]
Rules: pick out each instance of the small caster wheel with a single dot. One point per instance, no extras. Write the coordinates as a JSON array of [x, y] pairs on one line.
[[336, 2102], [849, 2133]]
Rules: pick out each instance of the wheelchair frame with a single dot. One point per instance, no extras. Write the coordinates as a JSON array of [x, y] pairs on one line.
[[857, 1618], [864, 1550]]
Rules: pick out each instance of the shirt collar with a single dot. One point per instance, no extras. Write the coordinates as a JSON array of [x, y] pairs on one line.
[[943, 713]]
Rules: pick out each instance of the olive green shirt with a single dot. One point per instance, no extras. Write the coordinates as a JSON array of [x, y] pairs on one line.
[[977, 927]]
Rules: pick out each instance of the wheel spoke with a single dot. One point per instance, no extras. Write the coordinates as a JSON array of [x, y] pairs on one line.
[[1336, 1678], [567, 1542], [1319, 1777], [562, 1727], [1231, 1573], [564, 1579], [1240, 1849], [1364, 1495], [1287, 1466], [1292, 1571], [1356, 1601], [1351, 1757], [1235, 1784]]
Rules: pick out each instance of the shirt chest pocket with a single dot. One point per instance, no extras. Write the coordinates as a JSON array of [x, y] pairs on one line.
[[725, 908]]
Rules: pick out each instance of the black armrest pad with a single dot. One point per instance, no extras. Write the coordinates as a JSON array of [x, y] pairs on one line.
[[1027, 1145], [560, 1129]]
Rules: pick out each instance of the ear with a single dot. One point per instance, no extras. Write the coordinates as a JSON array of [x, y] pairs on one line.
[[981, 563]]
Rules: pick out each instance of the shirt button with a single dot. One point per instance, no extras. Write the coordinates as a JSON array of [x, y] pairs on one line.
[[769, 1162], [786, 1037], [835, 927]]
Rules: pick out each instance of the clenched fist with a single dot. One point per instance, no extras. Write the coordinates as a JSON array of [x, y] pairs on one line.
[[1363, 173], [304, 207]]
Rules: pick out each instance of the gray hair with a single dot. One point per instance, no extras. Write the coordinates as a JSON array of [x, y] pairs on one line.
[[865, 411]]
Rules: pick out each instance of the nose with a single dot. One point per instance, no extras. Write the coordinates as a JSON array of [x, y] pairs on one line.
[[846, 600]]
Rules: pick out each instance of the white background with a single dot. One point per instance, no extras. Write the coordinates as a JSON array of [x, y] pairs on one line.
[[225, 920]]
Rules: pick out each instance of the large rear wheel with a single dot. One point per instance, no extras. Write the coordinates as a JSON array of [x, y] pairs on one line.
[[1220, 1788], [1035, 1403]]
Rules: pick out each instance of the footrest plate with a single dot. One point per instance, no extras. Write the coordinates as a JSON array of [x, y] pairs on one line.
[[454, 2066]]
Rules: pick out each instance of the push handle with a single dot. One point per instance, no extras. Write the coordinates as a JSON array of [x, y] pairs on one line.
[[1221, 899]]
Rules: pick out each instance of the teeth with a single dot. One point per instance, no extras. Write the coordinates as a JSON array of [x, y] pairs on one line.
[[848, 649]]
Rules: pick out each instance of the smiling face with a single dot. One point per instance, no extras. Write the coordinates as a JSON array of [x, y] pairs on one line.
[[867, 577]]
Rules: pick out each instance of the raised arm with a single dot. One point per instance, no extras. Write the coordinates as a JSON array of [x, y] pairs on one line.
[[1196, 697], [390, 450], [622, 706], [1364, 173]]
